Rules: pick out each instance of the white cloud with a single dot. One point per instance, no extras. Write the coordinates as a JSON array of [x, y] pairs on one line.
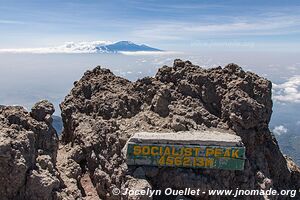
[[288, 91], [68, 47], [279, 130]]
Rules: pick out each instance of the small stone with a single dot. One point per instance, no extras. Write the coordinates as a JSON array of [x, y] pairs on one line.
[[41, 109]]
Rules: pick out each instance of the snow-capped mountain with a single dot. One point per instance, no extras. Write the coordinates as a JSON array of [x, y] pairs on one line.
[[127, 46]]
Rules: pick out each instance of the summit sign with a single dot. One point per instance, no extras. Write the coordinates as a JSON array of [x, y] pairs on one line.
[[193, 156], [187, 149]]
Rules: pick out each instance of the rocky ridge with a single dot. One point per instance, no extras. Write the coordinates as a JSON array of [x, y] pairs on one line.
[[102, 111], [28, 151]]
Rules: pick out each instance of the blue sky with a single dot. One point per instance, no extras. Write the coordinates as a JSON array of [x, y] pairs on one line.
[[171, 25]]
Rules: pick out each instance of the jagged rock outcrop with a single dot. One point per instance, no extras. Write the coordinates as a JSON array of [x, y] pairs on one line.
[[102, 111], [28, 150]]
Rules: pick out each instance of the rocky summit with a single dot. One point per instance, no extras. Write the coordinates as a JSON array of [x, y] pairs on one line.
[[103, 111]]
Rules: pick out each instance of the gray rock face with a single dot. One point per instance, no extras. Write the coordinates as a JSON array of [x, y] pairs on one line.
[[208, 137], [28, 149], [102, 111]]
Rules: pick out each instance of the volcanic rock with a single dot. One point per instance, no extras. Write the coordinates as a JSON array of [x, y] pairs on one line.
[[103, 110], [28, 149]]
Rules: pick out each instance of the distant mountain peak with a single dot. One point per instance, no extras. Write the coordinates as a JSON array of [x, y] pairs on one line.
[[128, 46]]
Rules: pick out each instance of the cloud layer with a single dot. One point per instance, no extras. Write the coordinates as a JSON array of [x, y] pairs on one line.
[[68, 47], [288, 91], [280, 130]]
